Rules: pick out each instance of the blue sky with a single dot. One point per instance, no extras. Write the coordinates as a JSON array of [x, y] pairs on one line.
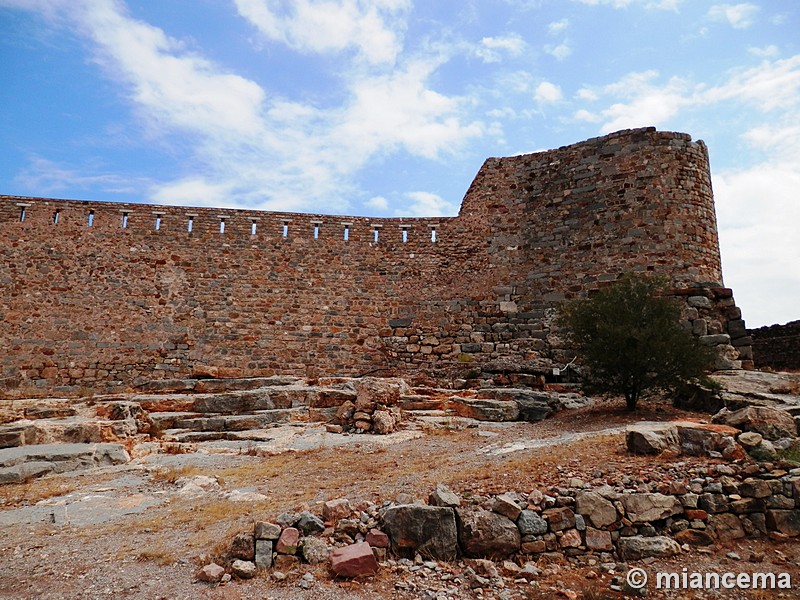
[[389, 107]]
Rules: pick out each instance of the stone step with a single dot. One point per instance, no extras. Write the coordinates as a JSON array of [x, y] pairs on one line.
[[25, 462], [243, 401], [68, 430], [254, 420], [418, 402], [166, 420], [40, 408], [246, 435], [215, 385]]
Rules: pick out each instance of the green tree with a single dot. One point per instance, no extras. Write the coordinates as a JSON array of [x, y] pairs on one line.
[[630, 341]]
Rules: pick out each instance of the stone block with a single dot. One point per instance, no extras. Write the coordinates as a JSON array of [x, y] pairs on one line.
[[784, 521], [427, 530], [598, 510], [598, 540], [263, 554], [484, 534], [638, 547], [356, 560]]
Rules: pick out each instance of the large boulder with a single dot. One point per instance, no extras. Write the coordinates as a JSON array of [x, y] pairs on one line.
[[484, 534], [652, 438], [771, 423], [643, 508], [637, 547], [427, 530]]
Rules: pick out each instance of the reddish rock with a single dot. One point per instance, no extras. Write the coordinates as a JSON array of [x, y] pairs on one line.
[[559, 518], [289, 541], [210, 573], [536, 547], [786, 522], [598, 540], [694, 537], [377, 539], [336, 509], [354, 560], [726, 527], [695, 514], [570, 539]]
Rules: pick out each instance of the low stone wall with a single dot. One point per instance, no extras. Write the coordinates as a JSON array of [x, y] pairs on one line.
[[777, 347], [630, 521]]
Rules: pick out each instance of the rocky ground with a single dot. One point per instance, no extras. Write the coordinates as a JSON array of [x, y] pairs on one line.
[[142, 529]]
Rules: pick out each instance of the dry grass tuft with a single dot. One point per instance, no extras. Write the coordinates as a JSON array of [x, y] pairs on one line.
[[31, 492], [172, 474], [159, 556]]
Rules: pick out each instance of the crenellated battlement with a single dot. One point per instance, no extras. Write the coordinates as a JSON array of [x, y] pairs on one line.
[[103, 293], [176, 223]]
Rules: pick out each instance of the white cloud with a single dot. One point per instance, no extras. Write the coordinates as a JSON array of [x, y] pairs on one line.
[[378, 203], [491, 48], [321, 26], [587, 94], [399, 110], [769, 86], [426, 204], [585, 115], [738, 16], [557, 27], [770, 51], [652, 4], [640, 103], [561, 51], [758, 214], [547, 93], [194, 192], [757, 209], [267, 152]]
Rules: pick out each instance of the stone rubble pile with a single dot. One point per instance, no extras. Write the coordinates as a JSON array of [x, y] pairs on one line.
[[513, 532], [376, 408]]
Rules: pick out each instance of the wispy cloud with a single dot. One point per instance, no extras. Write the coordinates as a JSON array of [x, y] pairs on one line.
[[426, 204], [491, 49], [760, 251], [51, 178], [270, 152], [770, 51], [557, 27], [372, 28], [559, 51], [738, 16], [653, 4]]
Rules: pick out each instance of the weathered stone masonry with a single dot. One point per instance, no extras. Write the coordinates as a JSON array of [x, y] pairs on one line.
[[105, 293]]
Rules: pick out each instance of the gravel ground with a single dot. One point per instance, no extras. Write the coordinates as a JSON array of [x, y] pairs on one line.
[[130, 532]]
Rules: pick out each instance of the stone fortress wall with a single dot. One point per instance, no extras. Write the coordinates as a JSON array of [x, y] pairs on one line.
[[107, 294]]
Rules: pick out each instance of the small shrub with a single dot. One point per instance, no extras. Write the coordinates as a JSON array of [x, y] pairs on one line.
[[630, 340]]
